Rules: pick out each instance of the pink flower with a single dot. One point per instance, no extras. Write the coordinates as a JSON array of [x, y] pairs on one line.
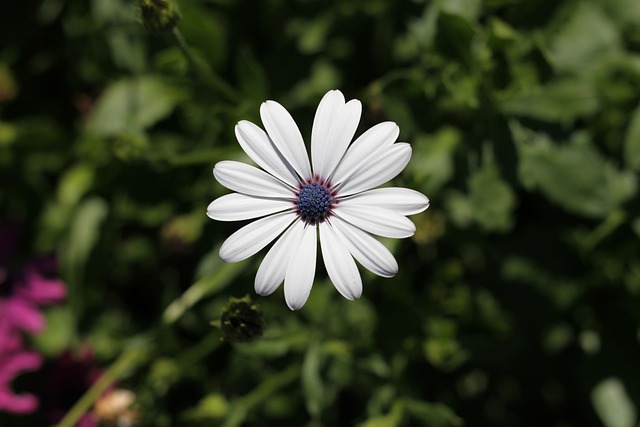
[[12, 365], [21, 297], [31, 289]]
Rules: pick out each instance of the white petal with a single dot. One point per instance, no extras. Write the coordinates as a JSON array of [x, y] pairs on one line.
[[256, 143], [382, 222], [334, 125], [402, 200], [273, 268], [381, 135], [284, 133], [341, 268], [238, 207], [384, 165], [250, 180], [373, 255], [254, 236], [301, 270]]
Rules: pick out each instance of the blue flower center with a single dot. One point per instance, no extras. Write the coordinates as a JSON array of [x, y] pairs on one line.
[[314, 202]]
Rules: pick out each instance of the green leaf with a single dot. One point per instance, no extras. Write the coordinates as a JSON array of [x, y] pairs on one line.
[[459, 209], [635, 225], [83, 236], [492, 200], [205, 32], [441, 348], [312, 381], [582, 39], [392, 419], [213, 405], [432, 162], [59, 332], [127, 50], [612, 404], [467, 9], [574, 175], [75, 183], [455, 37], [312, 34], [624, 12], [561, 291], [433, 414], [559, 101], [251, 76], [632, 142], [133, 104], [489, 202], [210, 284]]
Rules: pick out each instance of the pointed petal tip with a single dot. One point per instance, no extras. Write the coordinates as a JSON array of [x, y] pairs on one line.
[[352, 296], [295, 304], [294, 307], [264, 291]]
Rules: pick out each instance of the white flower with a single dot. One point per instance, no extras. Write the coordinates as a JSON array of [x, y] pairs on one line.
[[333, 196]]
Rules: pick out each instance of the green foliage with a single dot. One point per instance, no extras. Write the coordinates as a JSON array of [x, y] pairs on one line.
[[516, 302], [612, 404], [573, 175], [133, 105]]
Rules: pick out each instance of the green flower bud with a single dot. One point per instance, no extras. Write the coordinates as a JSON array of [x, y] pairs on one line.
[[242, 320], [159, 16]]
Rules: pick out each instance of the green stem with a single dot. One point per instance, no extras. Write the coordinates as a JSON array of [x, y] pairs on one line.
[[198, 352], [378, 86], [203, 71], [614, 220], [205, 286], [266, 389], [127, 360], [273, 384]]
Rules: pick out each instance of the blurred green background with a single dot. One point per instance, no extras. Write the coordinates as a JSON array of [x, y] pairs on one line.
[[518, 299]]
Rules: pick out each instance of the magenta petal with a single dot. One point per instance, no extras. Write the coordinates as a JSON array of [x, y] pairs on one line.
[[10, 338], [24, 316], [17, 403], [16, 363], [11, 366], [41, 290]]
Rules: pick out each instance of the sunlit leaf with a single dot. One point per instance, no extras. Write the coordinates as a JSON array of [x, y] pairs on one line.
[[573, 175], [613, 405], [134, 104], [583, 39], [312, 380], [59, 332], [632, 142], [433, 414], [562, 100]]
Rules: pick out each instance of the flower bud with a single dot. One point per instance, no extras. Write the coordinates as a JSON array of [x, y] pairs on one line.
[[159, 16], [242, 320]]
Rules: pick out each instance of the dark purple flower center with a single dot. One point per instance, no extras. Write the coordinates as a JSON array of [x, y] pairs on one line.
[[314, 202]]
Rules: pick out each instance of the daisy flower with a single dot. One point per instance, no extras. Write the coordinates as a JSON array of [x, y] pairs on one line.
[[333, 197]]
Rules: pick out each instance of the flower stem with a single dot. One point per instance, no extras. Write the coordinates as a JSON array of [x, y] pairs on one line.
[[124, 363], [205, 286], [241, 407], [203, 71]]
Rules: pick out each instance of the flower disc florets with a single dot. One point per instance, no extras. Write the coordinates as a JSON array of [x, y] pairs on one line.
[[314, 202]]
